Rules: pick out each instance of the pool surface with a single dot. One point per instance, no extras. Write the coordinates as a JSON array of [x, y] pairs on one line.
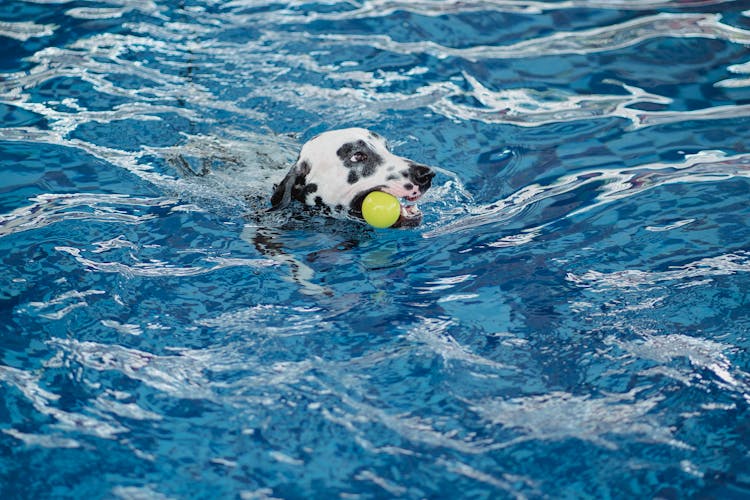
[[571, 320]]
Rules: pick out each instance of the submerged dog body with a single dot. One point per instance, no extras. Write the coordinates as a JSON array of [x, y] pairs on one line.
[[336, 170]]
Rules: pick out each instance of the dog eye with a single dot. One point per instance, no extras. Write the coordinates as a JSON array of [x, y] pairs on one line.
[[358, 157]]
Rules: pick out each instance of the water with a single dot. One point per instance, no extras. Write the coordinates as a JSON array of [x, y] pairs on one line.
[[572, 319]]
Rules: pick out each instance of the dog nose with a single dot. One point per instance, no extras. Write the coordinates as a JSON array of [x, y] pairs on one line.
[[421, 174]]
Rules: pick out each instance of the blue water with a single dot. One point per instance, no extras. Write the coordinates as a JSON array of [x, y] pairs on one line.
[[572, 319]]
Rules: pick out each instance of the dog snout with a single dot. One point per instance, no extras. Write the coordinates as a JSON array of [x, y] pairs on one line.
[[421, 174]]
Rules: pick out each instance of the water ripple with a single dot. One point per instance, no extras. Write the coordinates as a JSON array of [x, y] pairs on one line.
[[531, 108], [702, 354], [386, 8], [559, 415], [412, 428], [611, 185], [433, 335], [177, 375], [44, 402], [22, 31], [68, 300], [700, 270], [49, 209], [44, 440], [600, 39], [156, 268], [738, 69], [263, 318]]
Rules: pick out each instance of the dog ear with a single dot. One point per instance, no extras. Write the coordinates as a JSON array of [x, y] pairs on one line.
[[283, 193]]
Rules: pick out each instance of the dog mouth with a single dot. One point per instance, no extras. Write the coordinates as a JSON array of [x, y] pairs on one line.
[[410, 215]]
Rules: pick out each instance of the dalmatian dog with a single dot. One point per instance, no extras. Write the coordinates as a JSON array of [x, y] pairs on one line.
[[336, 170]]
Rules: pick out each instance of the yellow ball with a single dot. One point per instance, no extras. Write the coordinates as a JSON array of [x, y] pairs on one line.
[[381, 209]]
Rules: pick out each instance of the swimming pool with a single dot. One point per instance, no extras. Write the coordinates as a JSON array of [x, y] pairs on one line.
[[571, 320]]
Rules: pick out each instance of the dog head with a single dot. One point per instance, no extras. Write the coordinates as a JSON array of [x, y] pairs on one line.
[[336, 170]]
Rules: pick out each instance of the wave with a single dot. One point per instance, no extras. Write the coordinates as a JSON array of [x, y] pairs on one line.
[[732, 83], [560, 415], [49, 209], [178, 375], [702, 353], [265, 318], [28, 384], [590, 41], [700, 271], [153, 269], [385, 8], [531, 108], [24, 30], [610, 184]]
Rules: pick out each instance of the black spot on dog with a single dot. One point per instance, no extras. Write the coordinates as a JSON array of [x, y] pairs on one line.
[[298, 190], [360, 159], [369, 169], [317, 206], [304, 167], [408, 186]]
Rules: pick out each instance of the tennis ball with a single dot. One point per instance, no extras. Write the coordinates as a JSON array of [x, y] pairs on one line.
[[381, 209]]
